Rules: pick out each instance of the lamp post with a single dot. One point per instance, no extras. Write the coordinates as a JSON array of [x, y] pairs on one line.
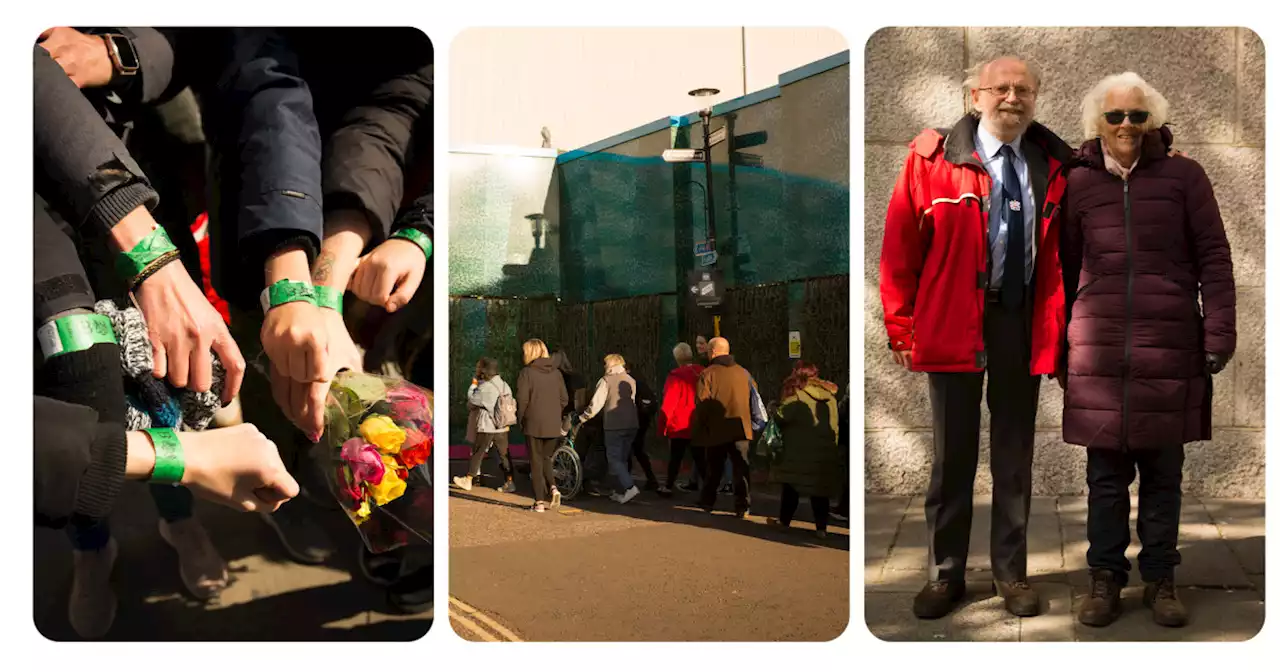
[[705, 113]]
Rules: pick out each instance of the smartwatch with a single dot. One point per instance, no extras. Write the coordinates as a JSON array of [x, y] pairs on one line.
[[124, 58]]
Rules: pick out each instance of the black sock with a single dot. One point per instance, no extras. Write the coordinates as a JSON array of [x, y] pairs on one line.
[[90, 378]]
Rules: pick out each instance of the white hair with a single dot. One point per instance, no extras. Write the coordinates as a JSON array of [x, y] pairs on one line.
[[973, 76], [682, 352], [1091, 109]]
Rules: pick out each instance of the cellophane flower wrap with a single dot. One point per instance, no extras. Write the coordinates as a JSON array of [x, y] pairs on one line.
[[376, 454]]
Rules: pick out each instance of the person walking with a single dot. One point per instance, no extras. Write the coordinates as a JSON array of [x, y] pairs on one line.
[[540, 397], [646, 408], [1151, 314], [679, 396], [614, 400], [489, 398], [811, 463], [721, 423]]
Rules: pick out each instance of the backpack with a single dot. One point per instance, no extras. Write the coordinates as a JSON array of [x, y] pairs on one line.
[[504, 411], [759, 414]]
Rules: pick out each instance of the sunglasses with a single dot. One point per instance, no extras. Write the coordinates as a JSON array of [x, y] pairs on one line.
[[1116, 117]]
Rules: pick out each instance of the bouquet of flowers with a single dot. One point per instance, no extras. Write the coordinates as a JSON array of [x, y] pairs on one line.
[[376, 452]]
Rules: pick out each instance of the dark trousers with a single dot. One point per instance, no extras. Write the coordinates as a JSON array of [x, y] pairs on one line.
[[640, 454], [174, 503], [1012, 395], [544, 477], [1110, 472], [736, 453], [485, 441], [678, 448], [791, 501]]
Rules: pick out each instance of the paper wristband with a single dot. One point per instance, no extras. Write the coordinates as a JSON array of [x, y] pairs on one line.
[[156, 244], [417, 237], [287, 291], [328, 297], [170, 465], [73, 333]]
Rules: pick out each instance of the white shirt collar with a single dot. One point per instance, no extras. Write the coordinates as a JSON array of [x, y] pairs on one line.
[[991, 144]]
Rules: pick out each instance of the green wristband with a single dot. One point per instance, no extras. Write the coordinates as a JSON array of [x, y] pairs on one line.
[[328, 297], [155, 245], [287, 291], [417, 237], [169, 463], [73, 333]]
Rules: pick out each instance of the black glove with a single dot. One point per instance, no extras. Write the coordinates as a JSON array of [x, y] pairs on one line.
[[1214, 363]]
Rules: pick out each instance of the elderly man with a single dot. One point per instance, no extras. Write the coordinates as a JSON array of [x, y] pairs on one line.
[[721, 424], [970, 284]]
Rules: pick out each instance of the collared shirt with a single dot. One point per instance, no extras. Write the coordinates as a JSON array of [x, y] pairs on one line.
[[988, 147]]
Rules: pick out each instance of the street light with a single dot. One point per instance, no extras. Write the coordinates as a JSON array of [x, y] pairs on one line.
[[705, 113]]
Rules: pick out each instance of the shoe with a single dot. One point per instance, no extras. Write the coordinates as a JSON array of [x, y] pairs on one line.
[[821, 534], [1161, 597], [743, 513], [463, 482], [937, 599], [664, 491], [726, 489], [304, 540], [539, 507], [707, 509], [627, 496], [413, 593], [777, 522], [840, 517], [203, 571], [651, 486], [92, 608], [687, 486], [381, 569], [1102, 607], [1020, 599], [555, 497], [508, 487]]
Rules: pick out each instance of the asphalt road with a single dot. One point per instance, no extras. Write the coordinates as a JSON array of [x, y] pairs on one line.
[[651, 570]]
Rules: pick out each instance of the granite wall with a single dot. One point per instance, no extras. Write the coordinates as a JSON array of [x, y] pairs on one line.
[[1214, 80]]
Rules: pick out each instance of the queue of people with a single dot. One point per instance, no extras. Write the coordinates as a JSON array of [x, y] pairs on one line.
[[319, 197]]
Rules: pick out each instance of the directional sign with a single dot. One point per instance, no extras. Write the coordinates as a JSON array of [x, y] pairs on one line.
[[705, 287], [750, 139], [683, 155], [745, 159], [708, 259], [701, 247], [718, 135]]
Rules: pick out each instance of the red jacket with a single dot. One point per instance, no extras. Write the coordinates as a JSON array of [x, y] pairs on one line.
[[934, 262], [679, 396]]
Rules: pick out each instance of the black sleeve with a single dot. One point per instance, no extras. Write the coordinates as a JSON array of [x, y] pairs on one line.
[[81, 168], [60, 280], [365, 165], [79, 463]]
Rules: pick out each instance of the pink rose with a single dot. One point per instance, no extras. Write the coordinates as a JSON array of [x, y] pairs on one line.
[[364, 460]]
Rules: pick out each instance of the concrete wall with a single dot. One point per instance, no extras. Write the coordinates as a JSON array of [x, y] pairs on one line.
[[585, 84], [1214, 80]]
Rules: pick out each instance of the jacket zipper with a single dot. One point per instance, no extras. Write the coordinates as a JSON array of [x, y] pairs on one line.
[[1128, 327]]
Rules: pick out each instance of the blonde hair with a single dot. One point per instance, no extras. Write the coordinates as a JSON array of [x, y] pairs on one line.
[[611, 361], [682, 352], [534, 349], [1091, 109]]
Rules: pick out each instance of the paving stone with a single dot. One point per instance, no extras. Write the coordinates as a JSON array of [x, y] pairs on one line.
[[889, 618], [1054, 624]]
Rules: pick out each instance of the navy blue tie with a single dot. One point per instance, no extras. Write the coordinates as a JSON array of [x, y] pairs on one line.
[[1013, 288]]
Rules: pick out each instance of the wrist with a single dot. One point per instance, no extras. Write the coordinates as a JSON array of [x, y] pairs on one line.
[[285, 291], [132, 229], [416, 237], [169, 466], [140, 458], [289, 263]]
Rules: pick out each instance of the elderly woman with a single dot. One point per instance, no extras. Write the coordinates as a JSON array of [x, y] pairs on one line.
[[615, 398], [1142, 249], [540, 398], [679, 396]]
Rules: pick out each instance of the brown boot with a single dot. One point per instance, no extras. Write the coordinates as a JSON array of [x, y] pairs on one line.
[[937, 599], [1020, 598], [1162, 598], [1102, 607]]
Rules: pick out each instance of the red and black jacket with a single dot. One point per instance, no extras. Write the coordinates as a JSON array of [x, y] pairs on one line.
[[935, 263]]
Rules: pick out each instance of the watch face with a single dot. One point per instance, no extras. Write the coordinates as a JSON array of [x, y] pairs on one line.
[[124, 49]]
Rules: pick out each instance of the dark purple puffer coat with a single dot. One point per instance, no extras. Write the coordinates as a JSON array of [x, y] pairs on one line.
[[1135, 258]]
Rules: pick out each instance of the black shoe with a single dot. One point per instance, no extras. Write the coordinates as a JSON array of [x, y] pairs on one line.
[[650, 485], [726, 489], [687, 486], [1102, 607], [304, 540], [381, 569], [937, 599], [413, 593], [1020, 599]]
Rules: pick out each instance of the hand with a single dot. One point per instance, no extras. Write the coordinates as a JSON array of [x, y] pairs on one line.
[[236, 467], [183, 327], [390, 274], [1177, 152], [902, 358], [295, 337], [343, 353], [1214, 363], [301, 401], [83, 57]]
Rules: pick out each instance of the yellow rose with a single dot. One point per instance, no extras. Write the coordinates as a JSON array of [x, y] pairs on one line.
[[383, 433], [362, 514], [391, 486]]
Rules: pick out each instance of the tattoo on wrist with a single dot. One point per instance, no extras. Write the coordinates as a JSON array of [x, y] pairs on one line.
[[324, 267]]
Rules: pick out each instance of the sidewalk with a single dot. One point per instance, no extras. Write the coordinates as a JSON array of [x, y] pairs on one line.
[[1221, 579]]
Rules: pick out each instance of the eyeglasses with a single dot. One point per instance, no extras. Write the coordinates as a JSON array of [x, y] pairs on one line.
[[1116, 117], [1003, 91]]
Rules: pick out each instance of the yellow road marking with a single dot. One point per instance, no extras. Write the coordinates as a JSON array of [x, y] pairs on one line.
[[489, 622]]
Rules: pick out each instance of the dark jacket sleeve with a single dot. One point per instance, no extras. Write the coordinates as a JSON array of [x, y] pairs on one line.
[[81, 168], [522, 396], [60, 281], [1212, 254], [79, 463], [364, 167], [259, 118], [1071, 256]]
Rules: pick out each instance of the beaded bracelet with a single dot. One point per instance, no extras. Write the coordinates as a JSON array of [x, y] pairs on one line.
[[150, 249]]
